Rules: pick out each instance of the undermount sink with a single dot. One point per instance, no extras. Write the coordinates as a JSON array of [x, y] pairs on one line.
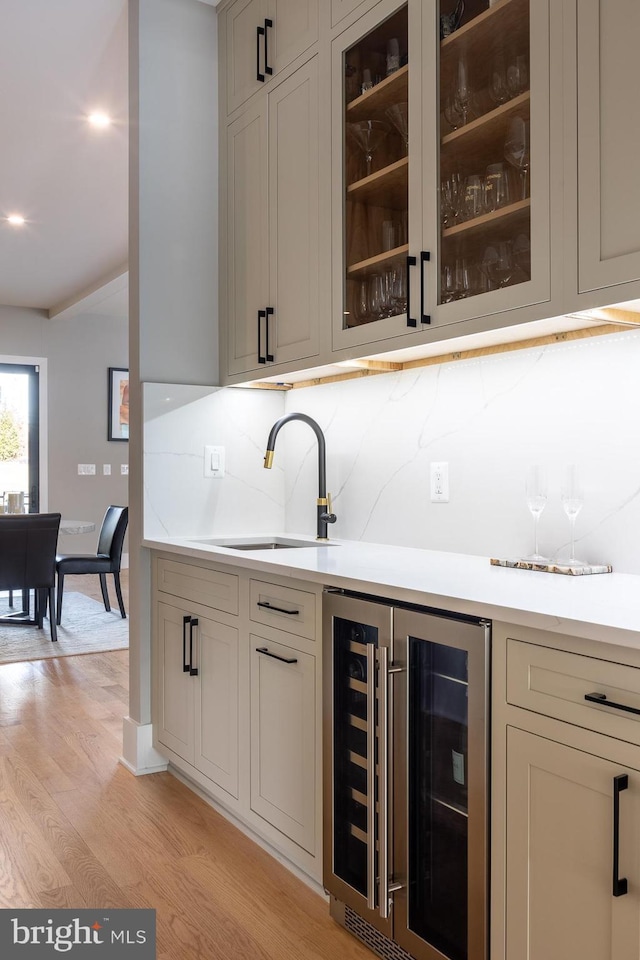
[[260, 543]]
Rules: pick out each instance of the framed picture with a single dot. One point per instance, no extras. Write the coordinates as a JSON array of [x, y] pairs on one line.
[[118, 404]]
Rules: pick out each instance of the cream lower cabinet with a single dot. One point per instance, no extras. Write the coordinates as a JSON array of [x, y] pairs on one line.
[[565, 798], [271, 262], [561, 849], [198, 691], [236, 697], [283, 739]]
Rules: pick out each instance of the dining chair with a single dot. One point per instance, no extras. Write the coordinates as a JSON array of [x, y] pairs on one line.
[[107, 558], [28, 562]]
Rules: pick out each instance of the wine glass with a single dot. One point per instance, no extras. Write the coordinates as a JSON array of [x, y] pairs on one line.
[[572, 496], [498, 81], [536, 491], [398, 115], [517, 76], [463, 91], [497, 264], [368, 135], [516, 150]]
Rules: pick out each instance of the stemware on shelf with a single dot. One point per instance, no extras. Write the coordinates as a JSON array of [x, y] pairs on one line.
[[497, 264], [398, 115], [572, 496], [517, 76], [516, 151], [536, 492], [498, 89], [463, 91], [368, 135]]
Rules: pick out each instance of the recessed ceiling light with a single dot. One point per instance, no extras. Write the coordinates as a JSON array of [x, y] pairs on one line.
[[16, 219], [99, 119]]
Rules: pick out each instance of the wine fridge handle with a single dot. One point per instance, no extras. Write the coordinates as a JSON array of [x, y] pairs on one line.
[[371, 776], [383, 781]]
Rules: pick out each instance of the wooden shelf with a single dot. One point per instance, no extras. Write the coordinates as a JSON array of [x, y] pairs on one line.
[[505, 19], [372, 104], [501, 29], [388, 187], [374, 264], [488, 124], [501, 217]]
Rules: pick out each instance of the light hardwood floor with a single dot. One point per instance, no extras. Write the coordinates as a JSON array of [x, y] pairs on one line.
[[78, 830]]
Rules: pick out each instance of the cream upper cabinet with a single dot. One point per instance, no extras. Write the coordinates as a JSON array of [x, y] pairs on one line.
[[271, 261], [342, 8], [562, 901], [262, 37], [440, 170], [608, 131]]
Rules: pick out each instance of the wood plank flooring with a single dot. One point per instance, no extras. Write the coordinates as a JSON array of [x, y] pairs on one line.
[[78, 830]]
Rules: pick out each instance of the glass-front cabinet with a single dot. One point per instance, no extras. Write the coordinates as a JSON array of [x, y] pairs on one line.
[[441, 166]]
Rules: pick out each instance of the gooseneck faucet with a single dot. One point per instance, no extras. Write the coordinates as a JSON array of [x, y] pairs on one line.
[[325, 516]]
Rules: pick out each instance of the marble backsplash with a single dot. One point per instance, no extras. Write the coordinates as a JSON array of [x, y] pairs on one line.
[[489, 418]]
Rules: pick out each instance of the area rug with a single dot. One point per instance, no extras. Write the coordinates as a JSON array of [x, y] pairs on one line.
[[86, 628]]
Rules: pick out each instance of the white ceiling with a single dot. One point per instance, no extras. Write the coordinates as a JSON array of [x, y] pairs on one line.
[[59, 60]]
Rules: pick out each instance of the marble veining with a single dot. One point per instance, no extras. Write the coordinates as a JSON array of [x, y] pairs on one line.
[[488, 417]]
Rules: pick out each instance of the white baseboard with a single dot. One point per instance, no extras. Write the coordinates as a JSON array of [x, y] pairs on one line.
[[139, 755]]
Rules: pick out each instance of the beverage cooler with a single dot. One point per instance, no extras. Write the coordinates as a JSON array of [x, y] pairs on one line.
[[406, 776]]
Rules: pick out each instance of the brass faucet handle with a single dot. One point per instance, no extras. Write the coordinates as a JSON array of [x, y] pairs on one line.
[[328, 516]]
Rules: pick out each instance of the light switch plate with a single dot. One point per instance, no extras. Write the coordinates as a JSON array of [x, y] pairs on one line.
[[86, 469], [124, 469], [214, 459]]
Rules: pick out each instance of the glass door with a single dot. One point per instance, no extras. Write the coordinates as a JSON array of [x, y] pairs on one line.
[[494, 156], [355, 630], [19, 438], [371, 67], [441, 908]]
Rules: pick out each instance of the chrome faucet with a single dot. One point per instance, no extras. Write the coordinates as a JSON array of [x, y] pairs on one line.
[[325, 516]]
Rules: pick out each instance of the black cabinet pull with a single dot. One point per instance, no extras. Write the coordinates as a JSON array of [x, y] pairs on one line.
[[424, 257], [192, 670], [267, 68], [601, 698], [185, 665], [261, 357], [259, 33], [269, 606], [269, 311], [620, 783], [275, 656], [411, 262]]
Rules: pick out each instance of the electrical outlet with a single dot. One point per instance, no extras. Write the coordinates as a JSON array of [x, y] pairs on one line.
[[124, 469], [214, 458], [439, 481], [106, 469]]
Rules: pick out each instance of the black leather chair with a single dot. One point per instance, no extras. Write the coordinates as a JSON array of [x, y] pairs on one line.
[[106, 560], [28, 562]]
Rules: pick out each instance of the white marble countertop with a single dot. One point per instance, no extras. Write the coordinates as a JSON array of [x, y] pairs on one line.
[[604, 607]]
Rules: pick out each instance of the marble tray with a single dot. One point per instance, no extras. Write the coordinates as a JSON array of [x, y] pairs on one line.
[[551, 567]]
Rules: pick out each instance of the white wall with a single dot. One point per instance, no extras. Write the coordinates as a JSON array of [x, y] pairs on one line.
[[179, 500], [78, 352], [489, 418]]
